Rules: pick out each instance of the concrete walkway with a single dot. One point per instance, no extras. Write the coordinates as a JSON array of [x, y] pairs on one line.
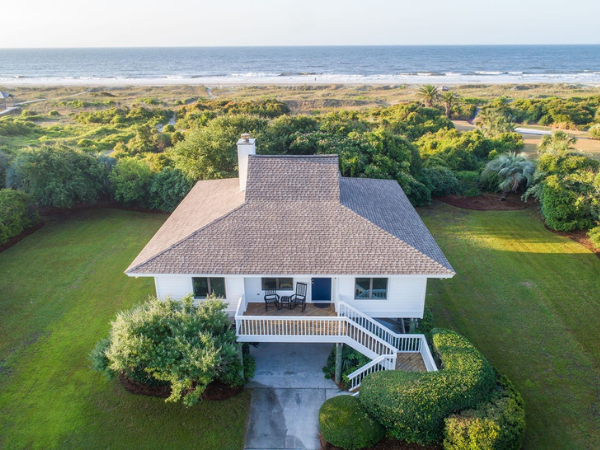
[[288, 389]]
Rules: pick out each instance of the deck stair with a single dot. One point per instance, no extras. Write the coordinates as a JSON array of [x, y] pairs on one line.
[[349, 326]]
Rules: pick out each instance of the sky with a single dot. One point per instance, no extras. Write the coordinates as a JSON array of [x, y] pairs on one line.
[[180, 23]]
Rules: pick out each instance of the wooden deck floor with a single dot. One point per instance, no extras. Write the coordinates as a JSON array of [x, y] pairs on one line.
[[258, 309], [411, 362]]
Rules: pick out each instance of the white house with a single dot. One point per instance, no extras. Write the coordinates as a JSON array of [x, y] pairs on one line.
[[357, 243]]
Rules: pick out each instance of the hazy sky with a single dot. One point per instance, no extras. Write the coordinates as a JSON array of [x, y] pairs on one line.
[[149, 23]]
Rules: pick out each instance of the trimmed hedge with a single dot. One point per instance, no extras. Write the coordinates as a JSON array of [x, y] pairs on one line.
[[17, 213], [498, 424], [413, 405], [345, 423]]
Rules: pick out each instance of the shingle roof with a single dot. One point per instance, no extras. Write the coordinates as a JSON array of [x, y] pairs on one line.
[[298, 217]]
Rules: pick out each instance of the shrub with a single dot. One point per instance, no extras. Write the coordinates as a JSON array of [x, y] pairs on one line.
[[57, 176], [413, 405], [594, 131], [417, 192], [168, 189], [53, 113], [468, 182], [498, 424], [17, 213], [594, 235], [172, 342], [351, 360], [345, 423], [441, 181], [131, 180]]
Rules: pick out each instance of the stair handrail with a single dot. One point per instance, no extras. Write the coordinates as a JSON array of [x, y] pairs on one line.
[[387, 362]]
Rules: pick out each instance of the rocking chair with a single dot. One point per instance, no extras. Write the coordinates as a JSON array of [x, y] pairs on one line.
[[271, 297], [299, 298]]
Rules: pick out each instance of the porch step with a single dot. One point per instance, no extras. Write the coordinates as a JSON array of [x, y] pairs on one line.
[[410, 362]]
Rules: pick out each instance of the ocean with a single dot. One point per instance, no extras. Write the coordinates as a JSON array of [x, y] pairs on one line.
[[282, 65]]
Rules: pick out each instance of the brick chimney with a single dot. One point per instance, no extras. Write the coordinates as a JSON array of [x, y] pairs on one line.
[[246, 146]]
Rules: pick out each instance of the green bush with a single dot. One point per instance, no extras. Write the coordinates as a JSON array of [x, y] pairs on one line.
[[594, 235], [498, 424], [168, 188], [413, 405], [351, 360], [131, 180], [594, 131], [468, 182], [174, 342], [17, 213], [441, 181], [563, 201], [57, 176], [346, 424]]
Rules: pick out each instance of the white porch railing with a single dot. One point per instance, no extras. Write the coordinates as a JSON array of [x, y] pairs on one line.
[[351, 327], [384, 362]]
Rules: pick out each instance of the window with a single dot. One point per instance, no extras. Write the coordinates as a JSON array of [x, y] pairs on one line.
[[206, 286], [279, 284], [371, 288]]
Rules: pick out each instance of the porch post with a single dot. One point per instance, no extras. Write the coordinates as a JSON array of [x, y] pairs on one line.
[[338, 363], [413, 326], [241, 358]]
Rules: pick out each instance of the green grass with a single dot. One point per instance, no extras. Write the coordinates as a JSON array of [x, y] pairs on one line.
[[530, 301], [59, 289]]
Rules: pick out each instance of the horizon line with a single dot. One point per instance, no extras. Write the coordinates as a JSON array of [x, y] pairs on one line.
[[297, 46]]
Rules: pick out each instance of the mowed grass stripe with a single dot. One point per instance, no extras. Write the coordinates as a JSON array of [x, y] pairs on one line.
[[63, 285], [528, 299]]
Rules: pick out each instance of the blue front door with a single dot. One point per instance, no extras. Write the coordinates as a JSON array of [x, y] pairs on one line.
[[321, 289]]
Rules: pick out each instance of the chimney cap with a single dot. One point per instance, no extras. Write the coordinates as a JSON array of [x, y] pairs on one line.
[[246, 137]]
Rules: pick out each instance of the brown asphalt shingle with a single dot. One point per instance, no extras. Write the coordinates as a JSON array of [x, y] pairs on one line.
[[299, 217]]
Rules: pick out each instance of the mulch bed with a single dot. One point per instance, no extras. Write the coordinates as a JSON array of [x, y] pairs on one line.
[[579, 236], [215, 391], [13, 240], [487, 202], [385, 444]]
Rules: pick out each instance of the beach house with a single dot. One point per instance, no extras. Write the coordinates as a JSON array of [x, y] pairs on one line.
[[301, 254]]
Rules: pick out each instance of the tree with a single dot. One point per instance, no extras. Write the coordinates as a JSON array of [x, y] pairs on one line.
[[175, 342], [57, 176], [210, 152], [515, 171], [429, 94], [494, 122], [168, 188], [131, 179], [449, 98], [17, 213]]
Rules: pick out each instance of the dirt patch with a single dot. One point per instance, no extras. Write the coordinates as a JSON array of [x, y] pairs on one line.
[[580, 237], [487, 202], [385, 444], [215, 391]]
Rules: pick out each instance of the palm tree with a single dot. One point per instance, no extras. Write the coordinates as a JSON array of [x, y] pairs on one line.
[[449, 98], [514, 171], [493, 122], [428, 94]]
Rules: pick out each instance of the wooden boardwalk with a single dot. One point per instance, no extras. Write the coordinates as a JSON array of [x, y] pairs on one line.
[[411, 362]]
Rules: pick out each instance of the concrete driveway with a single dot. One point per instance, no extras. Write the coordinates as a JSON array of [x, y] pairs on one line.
[[288, 389]]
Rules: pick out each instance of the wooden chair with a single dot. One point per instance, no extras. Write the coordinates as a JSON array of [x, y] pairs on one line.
[[271, 297], [299, 298]]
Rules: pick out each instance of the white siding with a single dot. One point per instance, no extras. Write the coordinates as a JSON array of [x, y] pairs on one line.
[[405, 297]]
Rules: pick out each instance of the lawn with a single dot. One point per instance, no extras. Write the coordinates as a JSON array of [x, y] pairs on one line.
[[59, 289], [530, 301]]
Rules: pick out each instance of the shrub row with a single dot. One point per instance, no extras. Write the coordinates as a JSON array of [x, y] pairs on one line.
[[498, 424], [413, 405], [17, 213]]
